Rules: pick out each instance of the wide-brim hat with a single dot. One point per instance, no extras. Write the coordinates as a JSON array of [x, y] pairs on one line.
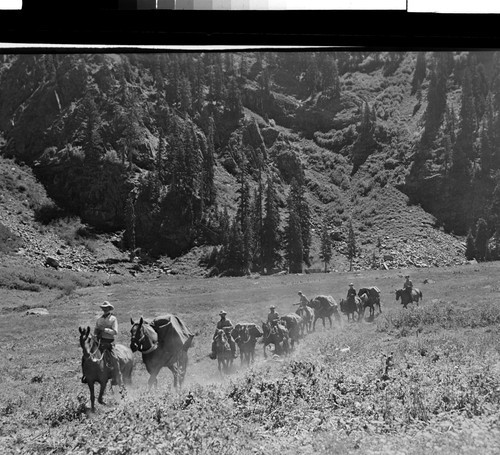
[[272, 307], [106, 306], [351, 284], [407, 276], [222, 313]]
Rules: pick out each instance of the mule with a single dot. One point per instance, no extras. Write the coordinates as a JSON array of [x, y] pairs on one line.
[[373, 294], [351, 306], [324, 307], [162, 343], [416, 296], [273, 336], [292, 322], [366, 302], [245, 336], [96, 366], [223, 350]]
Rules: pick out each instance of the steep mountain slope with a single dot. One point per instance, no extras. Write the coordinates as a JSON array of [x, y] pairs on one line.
[[155, 145]]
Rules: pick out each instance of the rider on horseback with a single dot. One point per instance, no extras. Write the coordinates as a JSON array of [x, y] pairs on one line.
[[274, 319], [106, 329], [351, 293], [227, 326], [408, 287], [303, 300]]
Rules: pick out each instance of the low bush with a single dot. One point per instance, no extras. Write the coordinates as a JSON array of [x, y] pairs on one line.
[[447, 315], [37, 278]]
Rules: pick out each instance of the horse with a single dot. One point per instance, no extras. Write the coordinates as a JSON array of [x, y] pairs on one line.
[[223, 350], [366, 302], [245, 336], [416, 296], [307, 315], [292, 322], [95, 364], [163, 343], [324, 306], [273, 336], [351, 306], [373, 294]]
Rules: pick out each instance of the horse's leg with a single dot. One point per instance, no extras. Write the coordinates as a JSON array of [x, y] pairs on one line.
[[101, 390], [153, 381], [92, 394]]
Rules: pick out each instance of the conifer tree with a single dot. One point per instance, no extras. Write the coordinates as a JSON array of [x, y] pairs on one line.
[[294, 250], [465, 137], [470, 249], [351, 245], [325, 252], [243, 215], [436, 98], [481, 240], [130, 221], [271, 236], [257, 227], [419, 73], [208, 172], [365, 143], [234, 262], [495, 207]]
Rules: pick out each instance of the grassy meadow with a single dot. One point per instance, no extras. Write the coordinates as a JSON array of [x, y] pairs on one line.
[[337, 393]]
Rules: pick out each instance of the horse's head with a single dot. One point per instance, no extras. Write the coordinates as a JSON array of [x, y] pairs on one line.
[[87, 341], [221, 339], [399, 292], [143, 337]]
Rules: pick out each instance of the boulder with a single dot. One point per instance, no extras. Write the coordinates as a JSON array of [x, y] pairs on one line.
[[52, 262], [38, 311]]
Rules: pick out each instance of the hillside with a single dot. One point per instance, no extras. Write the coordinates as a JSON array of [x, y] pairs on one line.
[[151, 149]]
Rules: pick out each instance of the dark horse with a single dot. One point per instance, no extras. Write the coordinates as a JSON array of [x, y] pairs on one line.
[[163, 343], [223, 350], [96, 365], [245, 336], [373, 295], [324, 307], [351, 306], [273, 336], [292, 322], [406, 298]]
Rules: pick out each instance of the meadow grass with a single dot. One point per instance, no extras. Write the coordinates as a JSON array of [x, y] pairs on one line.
[[355, 388]]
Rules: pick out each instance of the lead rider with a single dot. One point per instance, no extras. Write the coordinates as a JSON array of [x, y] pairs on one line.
[[106, 329]]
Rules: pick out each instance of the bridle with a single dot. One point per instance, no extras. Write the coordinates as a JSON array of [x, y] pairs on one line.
[[138, 344], [88, 353]]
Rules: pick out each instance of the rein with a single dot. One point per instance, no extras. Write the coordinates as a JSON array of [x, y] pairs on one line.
[[92, 355]]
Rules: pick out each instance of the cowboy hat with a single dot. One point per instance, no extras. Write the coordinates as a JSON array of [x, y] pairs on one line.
[[222, 313], [351, 284], [272, 307], [106, 305]]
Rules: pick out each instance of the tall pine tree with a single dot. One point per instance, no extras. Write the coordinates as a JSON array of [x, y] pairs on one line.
[[271, 235]]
